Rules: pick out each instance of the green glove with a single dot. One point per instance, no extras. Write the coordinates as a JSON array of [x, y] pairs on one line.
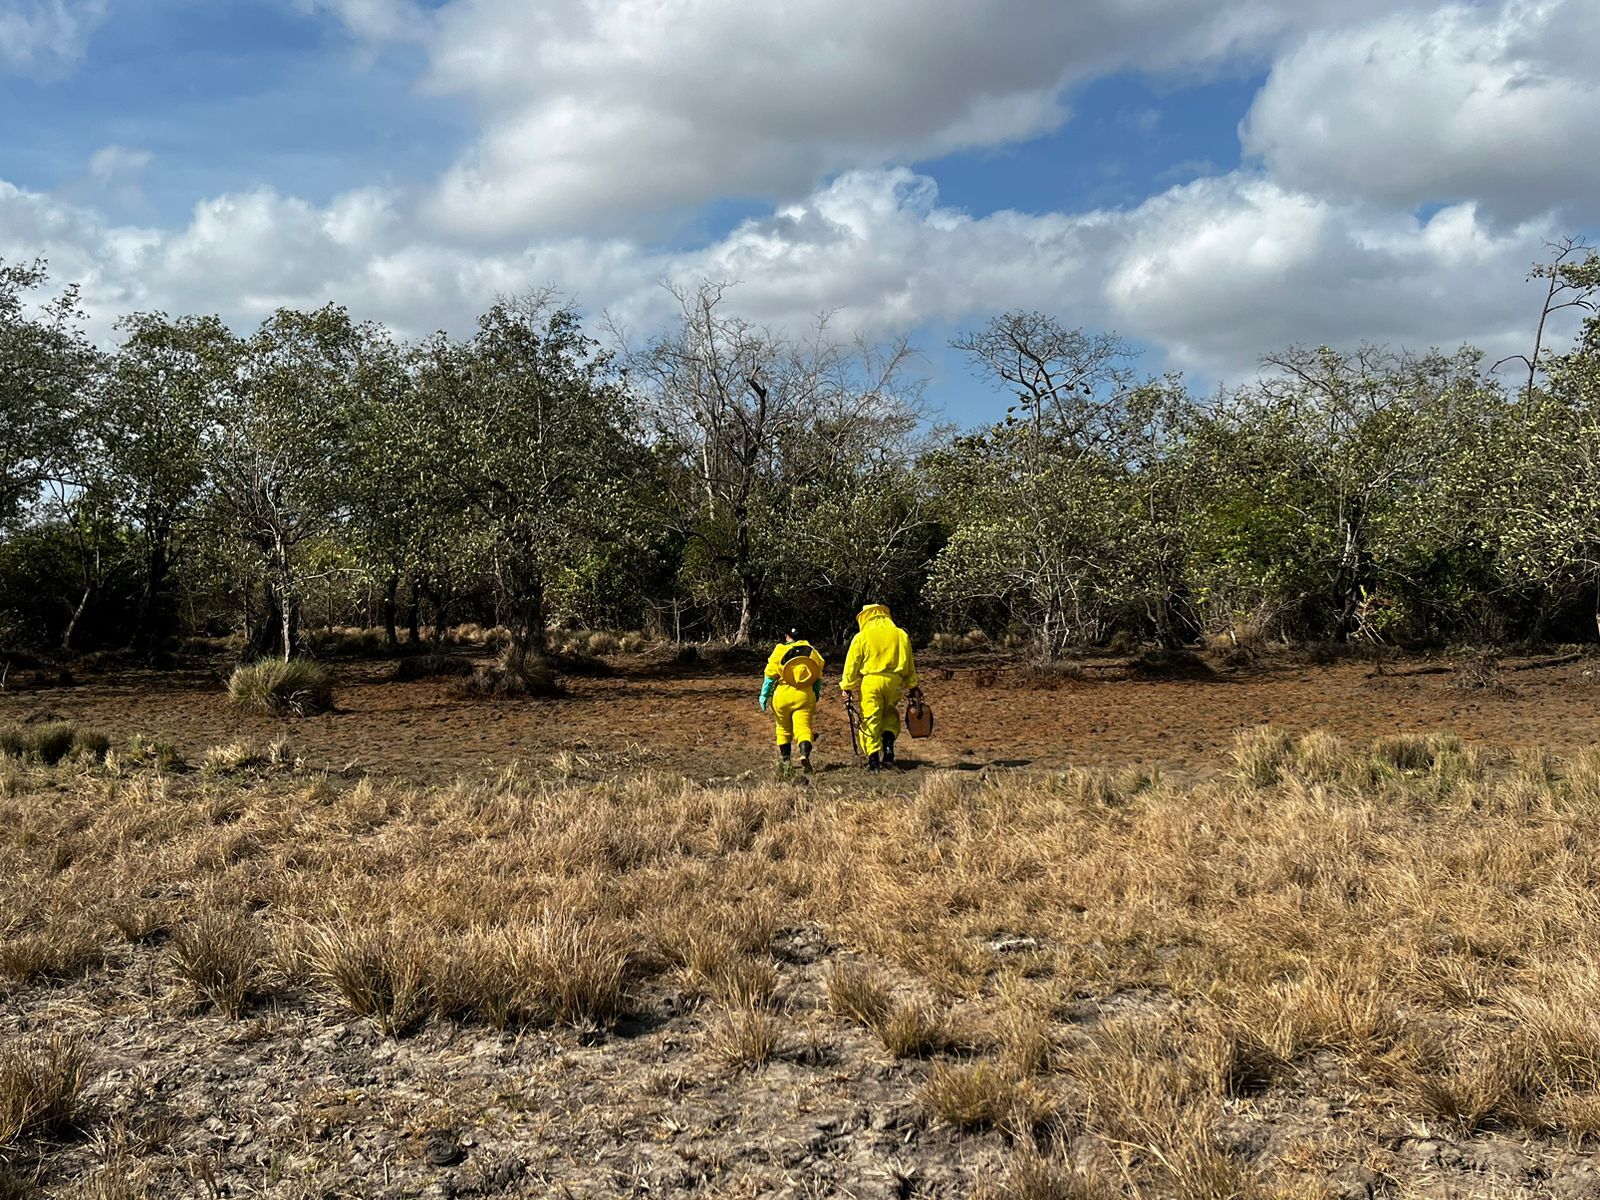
[[817, 688], [768, 686]]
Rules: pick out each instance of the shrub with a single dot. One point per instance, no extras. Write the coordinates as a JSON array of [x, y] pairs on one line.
[[296, 688]]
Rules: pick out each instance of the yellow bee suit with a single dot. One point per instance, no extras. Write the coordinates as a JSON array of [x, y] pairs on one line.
[[794, 703], [881, 664]]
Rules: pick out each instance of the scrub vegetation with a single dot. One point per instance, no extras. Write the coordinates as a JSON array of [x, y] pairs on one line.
[[1318, 969], [319, 487]]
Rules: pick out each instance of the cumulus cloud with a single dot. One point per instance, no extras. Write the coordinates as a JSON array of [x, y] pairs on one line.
[[599, 110], [1498, 105], [40, 37], [1215, 272]]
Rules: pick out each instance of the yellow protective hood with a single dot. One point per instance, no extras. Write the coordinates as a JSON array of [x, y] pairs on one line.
[[871, 613]]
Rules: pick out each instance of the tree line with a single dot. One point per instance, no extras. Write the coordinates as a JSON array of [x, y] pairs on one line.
[[723, 480]]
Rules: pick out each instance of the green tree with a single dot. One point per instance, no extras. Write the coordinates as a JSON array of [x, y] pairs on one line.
[[158, 402], [529, 431], [46, 364]]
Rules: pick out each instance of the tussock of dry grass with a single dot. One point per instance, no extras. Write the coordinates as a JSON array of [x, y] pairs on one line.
[[1409, 923], [296, 688], [982, 1095], [219, 954], [746, 1035], [41, 1087], [49, 742]]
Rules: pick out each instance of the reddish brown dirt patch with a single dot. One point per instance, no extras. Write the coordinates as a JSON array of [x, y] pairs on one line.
[[705, 723]]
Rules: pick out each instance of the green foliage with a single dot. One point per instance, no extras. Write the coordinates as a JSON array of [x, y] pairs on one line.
[[295, 688], [728, 481]]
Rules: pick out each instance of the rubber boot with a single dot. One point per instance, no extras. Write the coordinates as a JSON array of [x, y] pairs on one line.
[[888, 749], [783, 755], [805, 757], [875, 761]]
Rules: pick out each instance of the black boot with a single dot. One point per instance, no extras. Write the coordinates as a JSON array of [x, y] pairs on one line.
[[875, 761], [805, 757], [888, 749], [783, 755]]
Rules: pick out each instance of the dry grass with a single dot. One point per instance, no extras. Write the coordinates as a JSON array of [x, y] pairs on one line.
[[41, 1087], [49, 742], [514, 674], [746, 1035], [1407, 927], [219, 954], [982, 1095], [296, 688]]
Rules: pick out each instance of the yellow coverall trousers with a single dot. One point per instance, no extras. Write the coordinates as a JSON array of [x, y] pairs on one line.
[[880, 714], [792, 711]]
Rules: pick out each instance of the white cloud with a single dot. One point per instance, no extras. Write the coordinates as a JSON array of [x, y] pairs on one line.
[[1215, 272], [40, 37], [1495, 104], [596, 111], [112, 165]]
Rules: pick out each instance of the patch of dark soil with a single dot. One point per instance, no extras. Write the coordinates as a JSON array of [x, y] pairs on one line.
[[1170, 664], [431, 666]]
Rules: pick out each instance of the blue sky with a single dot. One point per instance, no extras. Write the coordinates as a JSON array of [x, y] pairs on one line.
[[1212, 183]]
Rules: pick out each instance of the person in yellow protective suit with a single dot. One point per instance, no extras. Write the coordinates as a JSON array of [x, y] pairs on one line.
[[880, 665], [791, 687]]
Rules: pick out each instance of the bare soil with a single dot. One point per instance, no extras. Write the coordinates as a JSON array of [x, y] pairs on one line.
[[703, 721]]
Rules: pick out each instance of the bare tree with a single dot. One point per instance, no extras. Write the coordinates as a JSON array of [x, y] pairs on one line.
[[737, 398], [1570, 283]]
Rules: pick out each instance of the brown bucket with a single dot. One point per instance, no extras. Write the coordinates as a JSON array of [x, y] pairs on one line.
[[919, 718]]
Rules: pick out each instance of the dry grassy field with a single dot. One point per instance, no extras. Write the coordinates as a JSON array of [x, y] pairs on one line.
[[1318, 968]]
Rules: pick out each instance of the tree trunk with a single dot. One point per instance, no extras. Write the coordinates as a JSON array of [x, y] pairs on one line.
[[155, 621], [414, 613], [527, 628], [391, 635], [77, 615]]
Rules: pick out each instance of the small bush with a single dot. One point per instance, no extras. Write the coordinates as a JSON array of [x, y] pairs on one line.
[[49, 742], [41, 1087], [297, 688], [431, 666]]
